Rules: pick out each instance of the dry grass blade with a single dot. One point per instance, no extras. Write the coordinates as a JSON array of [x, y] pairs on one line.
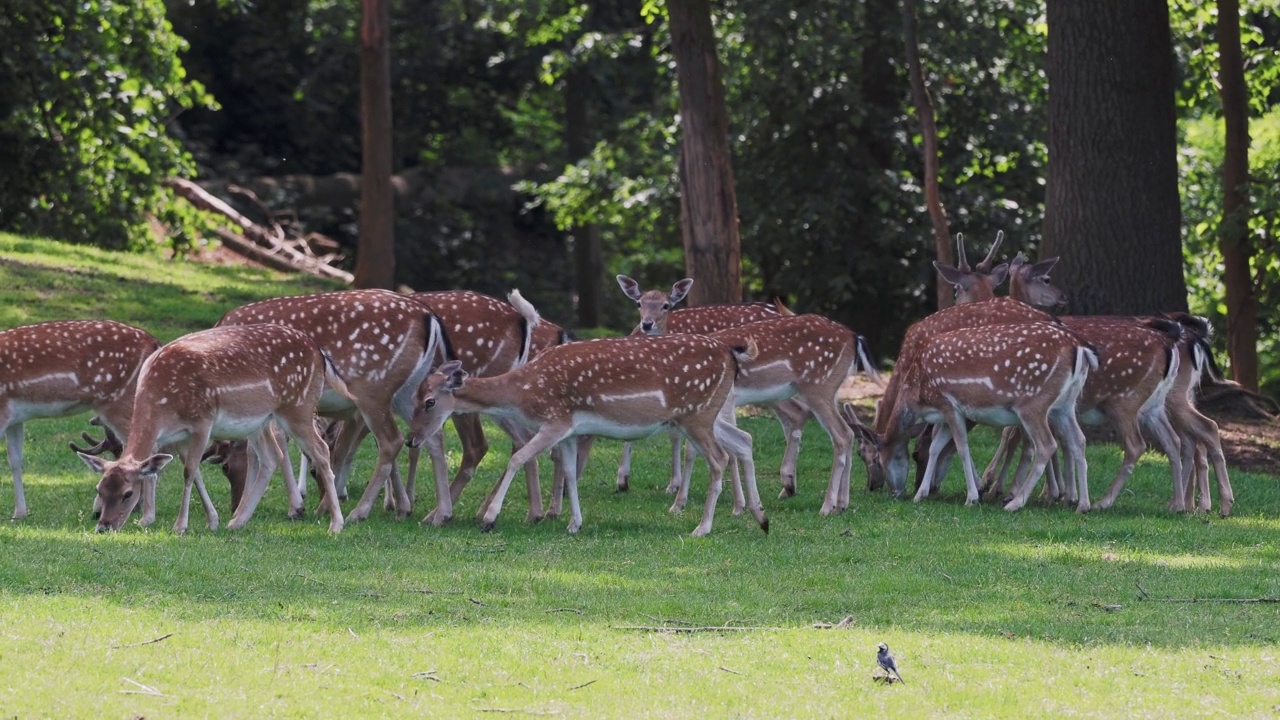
[[152, 641]]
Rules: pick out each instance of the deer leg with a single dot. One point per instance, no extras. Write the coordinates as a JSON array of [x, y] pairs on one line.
[[678, 479], [1133, 444], [1071, 439], [547, 436], [837, 496], [568, 451], [624, 469], [350, 433], [1209, 450], [1040, 437], [714, 453], [443, 511], [792, 416], [304, 433], [940, 437], [738, 443], [519, 437], [1161, 432], [196, 443], [264, 447], [993, 476], [390, 441], [921, 455], [960, 440], [295, 485], [13, 436], [1025, 459]]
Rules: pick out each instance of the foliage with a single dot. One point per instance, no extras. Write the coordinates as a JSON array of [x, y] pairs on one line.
[[88, 91], [1200, 167]]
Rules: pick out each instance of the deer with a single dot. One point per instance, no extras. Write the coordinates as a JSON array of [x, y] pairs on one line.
[[807, 357], [383, 344], [226, 382], [624, 388], [1028, 374], [1134, 348], [61, 368], [657, 317]]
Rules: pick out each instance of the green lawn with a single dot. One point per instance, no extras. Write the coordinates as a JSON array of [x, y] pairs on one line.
[[1034, 613]]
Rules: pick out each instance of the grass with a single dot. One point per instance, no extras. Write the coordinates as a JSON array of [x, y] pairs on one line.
[[990, 614]]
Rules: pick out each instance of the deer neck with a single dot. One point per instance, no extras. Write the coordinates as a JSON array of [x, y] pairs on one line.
[[493, 396]]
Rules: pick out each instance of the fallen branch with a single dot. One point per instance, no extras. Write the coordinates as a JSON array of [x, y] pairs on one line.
[[1242, 601], [257, 243], [148, 642], [585, 684]]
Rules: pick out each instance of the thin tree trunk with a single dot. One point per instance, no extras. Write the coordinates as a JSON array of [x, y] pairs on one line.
[[708, 204], [588, 262], [929, 134], [375, 256], [1237, 250], [1112, 209]]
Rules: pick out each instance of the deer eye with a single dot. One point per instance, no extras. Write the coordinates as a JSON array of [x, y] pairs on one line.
[[666, 306], [430, 403], [128, 494]]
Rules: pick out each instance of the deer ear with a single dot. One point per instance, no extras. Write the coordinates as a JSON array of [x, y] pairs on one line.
[[154, 464], [630, 287], [450, 367], [1044, 267], [96, 464], [679, 290], [949, 273], [456, 378], [998, 274]]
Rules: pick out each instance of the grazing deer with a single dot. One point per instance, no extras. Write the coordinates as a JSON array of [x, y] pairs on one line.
[[55, 369], [657, 317], [489, 337], [228, 382], [807, 357], [1029, 374], [623, 388], [382, 344]]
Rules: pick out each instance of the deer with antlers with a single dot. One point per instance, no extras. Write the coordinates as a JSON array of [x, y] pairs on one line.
[[1027, 374], [228, 382], [624, 388], [55, 369], [383, 345], [658, 316]]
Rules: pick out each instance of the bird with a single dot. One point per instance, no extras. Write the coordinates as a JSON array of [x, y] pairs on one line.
[[886, 661]]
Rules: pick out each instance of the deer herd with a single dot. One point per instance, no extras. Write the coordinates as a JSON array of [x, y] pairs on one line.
[[271, 370]]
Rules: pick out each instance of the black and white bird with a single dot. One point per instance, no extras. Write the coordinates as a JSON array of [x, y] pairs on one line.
[[888, 664]]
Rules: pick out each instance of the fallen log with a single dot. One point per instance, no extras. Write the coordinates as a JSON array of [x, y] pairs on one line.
[[255, 241]]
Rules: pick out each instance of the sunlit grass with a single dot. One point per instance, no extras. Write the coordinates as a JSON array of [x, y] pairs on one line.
[[1038, 613]]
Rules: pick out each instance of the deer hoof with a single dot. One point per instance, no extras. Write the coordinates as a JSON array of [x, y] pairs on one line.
[[764, 525], [296, 513], [701, 531], [787, 491], [486, 525]]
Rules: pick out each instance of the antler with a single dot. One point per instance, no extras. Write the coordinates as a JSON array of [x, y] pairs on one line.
[[962, 263], [109, 444], [985, 266]]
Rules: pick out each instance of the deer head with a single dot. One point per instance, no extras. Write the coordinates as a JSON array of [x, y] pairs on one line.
[[654, 304], [1029, 282], [122, 484], [977, 283]]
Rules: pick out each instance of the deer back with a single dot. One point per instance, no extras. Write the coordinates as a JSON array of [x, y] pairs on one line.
[[794, 350], [487, 335], [1134, 359], [72, 363]]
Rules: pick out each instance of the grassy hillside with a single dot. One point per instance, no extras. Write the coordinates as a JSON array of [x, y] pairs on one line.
[[1038, 613]]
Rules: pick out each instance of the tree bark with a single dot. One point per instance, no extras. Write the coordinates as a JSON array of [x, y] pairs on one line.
[[929, 136], [708, 204], [1237, 249], [1112, 207], [375, 256], [588, 259]]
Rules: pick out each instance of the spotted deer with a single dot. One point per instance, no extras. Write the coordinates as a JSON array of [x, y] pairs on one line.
[[1168, 414], [382, 344], [624, 388], [228, 382], [974, 284], [806, 357], [1029, 374], [658, 316], [55, 369]]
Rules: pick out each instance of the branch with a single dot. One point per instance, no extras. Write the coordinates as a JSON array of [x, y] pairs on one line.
[[715, 628]]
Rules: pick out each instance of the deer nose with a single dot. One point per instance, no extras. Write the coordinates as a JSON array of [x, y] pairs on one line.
[[412, 441], [102, 528], [646, 326]]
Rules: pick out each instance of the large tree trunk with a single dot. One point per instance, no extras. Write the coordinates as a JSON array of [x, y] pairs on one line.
[[375, 256], [929, 136], [708, 205], [1237, 249], [1112, 208], [588, 259]]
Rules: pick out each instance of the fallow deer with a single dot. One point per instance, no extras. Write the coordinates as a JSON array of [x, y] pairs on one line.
[[383, 344], [228, 382], [1029, 374], [974, 284], [807, 357], [55, 369], [657, 317], [623, 388]]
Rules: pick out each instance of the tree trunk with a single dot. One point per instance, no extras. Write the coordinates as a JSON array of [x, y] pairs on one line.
[[708, 205], [929, 135], [588, 262], [375, 256], [1237, 249], [1111, 204]]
